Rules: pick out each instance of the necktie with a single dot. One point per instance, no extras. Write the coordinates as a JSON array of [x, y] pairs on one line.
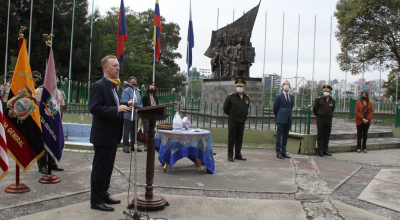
[[287, 99]]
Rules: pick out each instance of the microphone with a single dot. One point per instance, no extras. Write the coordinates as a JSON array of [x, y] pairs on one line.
[[129, 85]]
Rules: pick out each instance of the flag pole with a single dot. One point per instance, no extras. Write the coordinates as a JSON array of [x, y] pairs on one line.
[[312, 83], [5, 62], [330, 54], [52, 23], [283, 36], [30, 31], [90, 50], [217, 17], [18, 187], [265, 43], [70, 55], [297, 64], [154, 63]]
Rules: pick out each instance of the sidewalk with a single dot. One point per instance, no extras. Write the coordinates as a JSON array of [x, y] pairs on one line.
[[263, 187]]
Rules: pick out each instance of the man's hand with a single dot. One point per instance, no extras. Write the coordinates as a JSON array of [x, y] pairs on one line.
[[124, 109]]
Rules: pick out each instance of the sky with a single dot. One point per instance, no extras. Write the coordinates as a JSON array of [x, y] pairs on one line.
[[205, 19]]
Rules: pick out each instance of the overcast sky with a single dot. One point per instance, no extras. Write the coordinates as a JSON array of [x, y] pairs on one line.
[[204, 17]]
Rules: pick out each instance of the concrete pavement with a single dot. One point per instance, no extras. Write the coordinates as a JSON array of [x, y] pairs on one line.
[[345, 186]]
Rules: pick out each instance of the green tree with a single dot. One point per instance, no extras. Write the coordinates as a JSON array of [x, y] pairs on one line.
[[369, 32], [390, 85]]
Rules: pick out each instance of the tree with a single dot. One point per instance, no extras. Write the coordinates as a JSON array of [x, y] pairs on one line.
[[369, 34], [390, 85]]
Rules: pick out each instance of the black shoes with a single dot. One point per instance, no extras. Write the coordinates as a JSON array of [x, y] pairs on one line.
[[240, 158], [126, 150], [327, 154], [231, 160], [56, 168], [280, 156], [322, 154], [111, 200], [43, 170], [138, 150], [285, 155], [102, 207]]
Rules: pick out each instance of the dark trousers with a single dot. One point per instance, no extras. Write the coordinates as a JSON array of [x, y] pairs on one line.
[[362, 132], [282, 133], [235, 137], [324, 127], [43, 161], [102, 167], [129, 129]]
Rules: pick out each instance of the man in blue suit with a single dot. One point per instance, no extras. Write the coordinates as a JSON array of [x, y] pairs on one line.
[[106, 132], [283, 105]]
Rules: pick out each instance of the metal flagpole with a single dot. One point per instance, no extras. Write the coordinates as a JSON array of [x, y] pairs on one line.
[[5, 62], [70, 56], [154, 62], [345, 91], [283, 35], [30, 31], [233, 15], [265, 43], [217, 18], [187, 53], [312, 83], [52, 22], [90, 49], [297, 64], [380, 80], [330, 54]]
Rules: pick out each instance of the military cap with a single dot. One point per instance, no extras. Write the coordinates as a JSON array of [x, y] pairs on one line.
[[326, 88], [36, 74], [10, 74], [240, 82]]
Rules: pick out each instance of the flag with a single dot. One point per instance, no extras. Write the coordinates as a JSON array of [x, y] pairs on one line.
[[157, 31], [3, 148], [122, 35], [190, 40], [22, 119], [53, 135]]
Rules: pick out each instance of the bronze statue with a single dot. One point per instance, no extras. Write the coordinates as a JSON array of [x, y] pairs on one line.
[[230, 49]]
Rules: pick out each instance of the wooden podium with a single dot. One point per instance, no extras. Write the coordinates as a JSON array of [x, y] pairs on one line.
[[150, 201]]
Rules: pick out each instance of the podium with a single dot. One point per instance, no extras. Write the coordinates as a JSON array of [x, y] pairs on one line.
[[150, 201]]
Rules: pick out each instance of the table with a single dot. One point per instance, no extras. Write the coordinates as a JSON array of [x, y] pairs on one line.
[[195, 145]]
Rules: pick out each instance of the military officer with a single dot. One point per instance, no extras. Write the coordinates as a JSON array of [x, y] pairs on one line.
[[323, 109], [236, 107], [36, 77], [5, 89]]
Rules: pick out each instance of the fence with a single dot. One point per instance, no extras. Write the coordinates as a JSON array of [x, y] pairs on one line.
[[192, 108]]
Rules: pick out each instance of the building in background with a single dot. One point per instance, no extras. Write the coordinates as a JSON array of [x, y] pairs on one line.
[[272, 79]]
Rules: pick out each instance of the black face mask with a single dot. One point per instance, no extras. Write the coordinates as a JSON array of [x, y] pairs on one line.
[[152, 91], [364, 98], [134, 84]]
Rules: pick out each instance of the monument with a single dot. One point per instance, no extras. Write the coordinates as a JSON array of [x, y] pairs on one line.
[[232, 55]]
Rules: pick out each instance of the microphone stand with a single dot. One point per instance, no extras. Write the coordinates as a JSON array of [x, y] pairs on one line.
[[134, 112]]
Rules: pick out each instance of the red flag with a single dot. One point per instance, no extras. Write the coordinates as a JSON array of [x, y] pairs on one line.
[[157, 31], [122, 35]]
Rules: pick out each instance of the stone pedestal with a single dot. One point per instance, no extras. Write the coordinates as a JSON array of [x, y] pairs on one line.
[[215, 91]]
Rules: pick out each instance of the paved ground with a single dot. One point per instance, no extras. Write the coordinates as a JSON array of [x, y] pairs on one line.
[[345, 186]]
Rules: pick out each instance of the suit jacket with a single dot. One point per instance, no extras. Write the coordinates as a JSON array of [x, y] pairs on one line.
[[107, 123], [283, 111], [146, 100]]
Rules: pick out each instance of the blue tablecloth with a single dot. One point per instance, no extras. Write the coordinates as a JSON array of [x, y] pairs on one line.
[[172, 146]]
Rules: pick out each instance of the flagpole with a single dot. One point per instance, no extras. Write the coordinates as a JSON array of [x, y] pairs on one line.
[[90, 49], [312, 87], [217, 17], [30, 31], [265, 43], [187, 52], [5, 62], [283, 35], [297, 64], [70, 55], [18, 187], [52, 22], [330, 53], [154, 63]]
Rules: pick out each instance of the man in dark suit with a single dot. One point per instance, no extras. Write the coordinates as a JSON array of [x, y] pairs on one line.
[[106, 132], [283, 105]]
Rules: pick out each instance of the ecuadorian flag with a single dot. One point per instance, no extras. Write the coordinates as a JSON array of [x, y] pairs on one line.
[[122, 35], [22, 119], [157, 31]]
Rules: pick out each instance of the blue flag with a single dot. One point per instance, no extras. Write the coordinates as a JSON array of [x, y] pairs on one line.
[[49, 107], [190, 40]]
